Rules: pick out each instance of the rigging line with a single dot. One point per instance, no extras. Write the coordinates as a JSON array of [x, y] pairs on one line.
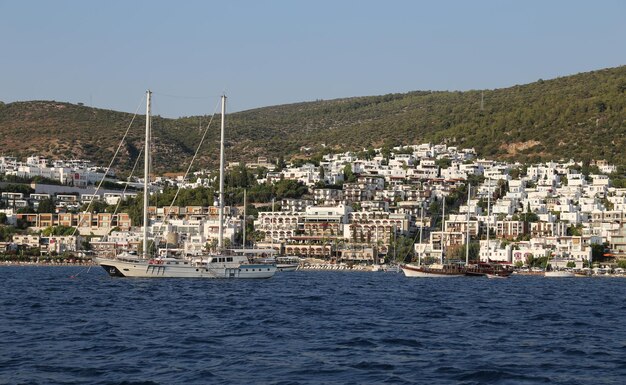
[[169, 209], [81, 271], [119, 202], [417, 233], [108, 168]]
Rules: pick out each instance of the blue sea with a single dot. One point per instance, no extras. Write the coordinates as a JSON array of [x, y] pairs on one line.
[[71, 325]]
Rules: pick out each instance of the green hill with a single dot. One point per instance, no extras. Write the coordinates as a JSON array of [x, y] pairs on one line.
[[581, 117]]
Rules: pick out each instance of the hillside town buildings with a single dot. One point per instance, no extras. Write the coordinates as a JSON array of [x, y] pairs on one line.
[[550, 209]]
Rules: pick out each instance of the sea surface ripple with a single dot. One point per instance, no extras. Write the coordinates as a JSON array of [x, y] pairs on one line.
[[67, 325]]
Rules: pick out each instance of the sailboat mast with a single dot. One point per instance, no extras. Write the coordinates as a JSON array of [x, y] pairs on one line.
[[488, 219], [245, 203], [443, 228], [419, 256], [220, 239], [469, 189], [146, 175]]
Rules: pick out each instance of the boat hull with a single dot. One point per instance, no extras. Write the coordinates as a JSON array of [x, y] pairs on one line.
[[287, 266], [559, 274], [426, 272], [144, 269], [496, 276], [489, 270]]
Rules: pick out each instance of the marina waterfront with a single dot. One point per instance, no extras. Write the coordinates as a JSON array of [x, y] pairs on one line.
[[75, 325]]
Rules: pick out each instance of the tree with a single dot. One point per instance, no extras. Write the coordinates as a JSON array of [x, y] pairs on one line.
[[576, 230], [400, 248], [26, 210], [322, 173], [280, 163], [261, 172], [385, 151], [211, 246], [57, 231], [348, 175], [6, 233], [239, 177], [597, 252], [459, 252], [532, 261], [515, 173], [46, 206], [95, 206], [530, 217], [288, 188], [443, 163], [86, 243]]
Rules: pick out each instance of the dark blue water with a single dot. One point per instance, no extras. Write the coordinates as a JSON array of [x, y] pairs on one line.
[[309, 328]]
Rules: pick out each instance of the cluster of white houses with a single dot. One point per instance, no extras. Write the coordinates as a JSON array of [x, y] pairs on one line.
[[390, 196], [79, 173]]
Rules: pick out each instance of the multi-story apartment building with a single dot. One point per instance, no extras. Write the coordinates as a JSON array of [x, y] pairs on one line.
[[509, 229], [459, 224], [375, 227], [291, 204], [86, 223], [116, 242], [494, 251], [547, 229], [608, 217], [280, 226], [328, 196], [188, 212], [322, 230], [26, 240], [427, 169], [59, 244]]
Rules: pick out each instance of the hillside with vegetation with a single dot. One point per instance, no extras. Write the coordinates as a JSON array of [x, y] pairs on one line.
[[581, 116]]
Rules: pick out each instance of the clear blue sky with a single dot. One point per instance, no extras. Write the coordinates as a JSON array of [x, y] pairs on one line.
[[262, 53]]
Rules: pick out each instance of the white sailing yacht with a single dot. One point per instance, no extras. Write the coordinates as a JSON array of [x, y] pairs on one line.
[[206, 266]]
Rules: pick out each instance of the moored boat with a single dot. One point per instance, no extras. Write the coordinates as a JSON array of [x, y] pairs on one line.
[[533, 271], [287, 263], [222, 265], [582, 273], [201, 267], [482, 269], [559, 274], [448, 270], [496, 275]]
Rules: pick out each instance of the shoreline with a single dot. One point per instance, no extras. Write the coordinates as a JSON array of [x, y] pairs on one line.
[[45, 264], [312, 268]]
